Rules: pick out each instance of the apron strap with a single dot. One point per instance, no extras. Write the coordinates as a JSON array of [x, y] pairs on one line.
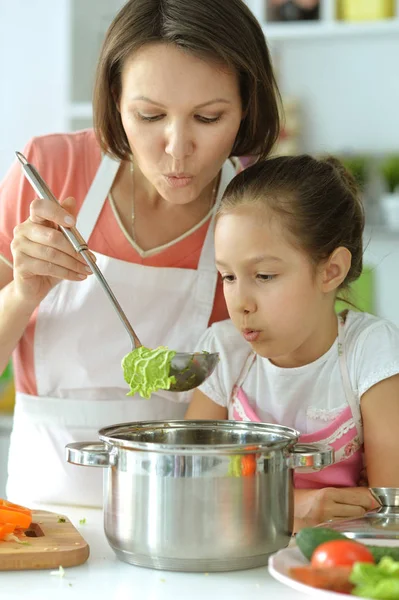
[[238, 405], [351, 397], [207, 272], [96, 196], [207, 258], [249, 361]]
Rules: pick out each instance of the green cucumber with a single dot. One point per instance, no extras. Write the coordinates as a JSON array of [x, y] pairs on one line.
[[309, 538], [379, 551]]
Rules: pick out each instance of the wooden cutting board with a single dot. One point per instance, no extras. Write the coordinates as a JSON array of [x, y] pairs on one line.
[[50, 542]]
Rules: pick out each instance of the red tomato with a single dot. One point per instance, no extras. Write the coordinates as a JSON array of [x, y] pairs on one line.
[[340, 553]]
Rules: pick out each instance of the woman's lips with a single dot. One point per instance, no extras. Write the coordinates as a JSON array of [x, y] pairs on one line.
[[175, 181], [251, 335]]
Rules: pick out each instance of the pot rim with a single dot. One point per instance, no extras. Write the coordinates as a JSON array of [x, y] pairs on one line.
[[290, 437]]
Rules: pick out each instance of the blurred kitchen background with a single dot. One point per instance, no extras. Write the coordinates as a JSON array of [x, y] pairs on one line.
[[337, 66]]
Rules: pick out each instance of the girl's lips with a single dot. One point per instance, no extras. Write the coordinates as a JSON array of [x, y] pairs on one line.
[[177, 182], [251, 335]]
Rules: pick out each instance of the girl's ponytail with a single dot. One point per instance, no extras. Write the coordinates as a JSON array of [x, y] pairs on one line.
[[346, 177]]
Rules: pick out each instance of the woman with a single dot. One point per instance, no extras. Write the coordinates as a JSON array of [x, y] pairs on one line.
[[181, 87]]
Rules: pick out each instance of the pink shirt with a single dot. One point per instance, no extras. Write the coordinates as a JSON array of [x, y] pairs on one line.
[[79, 155]]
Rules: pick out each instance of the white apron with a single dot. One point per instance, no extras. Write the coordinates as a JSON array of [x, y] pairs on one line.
[[79, 343]]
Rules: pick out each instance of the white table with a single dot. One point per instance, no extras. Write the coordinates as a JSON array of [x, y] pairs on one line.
[[103, 576]]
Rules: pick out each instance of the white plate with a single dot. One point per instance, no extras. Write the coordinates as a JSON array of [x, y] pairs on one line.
[[281, 562]]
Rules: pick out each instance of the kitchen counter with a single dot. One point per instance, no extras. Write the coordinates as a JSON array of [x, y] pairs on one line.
[[103, 576]]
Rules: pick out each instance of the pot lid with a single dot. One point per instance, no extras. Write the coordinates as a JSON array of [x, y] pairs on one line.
[[200, 437], [380, 524]]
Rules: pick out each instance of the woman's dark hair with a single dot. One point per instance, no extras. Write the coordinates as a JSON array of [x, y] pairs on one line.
[[224, 31], [317, 200]]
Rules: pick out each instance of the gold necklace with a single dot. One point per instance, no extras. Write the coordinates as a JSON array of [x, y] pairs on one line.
[[211, 201]]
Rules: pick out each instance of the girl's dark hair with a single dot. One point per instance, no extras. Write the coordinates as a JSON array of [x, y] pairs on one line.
[[224, 31], [318, 201]]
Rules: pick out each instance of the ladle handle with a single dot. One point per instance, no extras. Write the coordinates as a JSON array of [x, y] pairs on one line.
[[111, 296], [78, 242]]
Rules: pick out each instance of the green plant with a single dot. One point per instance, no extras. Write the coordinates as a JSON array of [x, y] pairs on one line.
[[390, 172], [357, 165]]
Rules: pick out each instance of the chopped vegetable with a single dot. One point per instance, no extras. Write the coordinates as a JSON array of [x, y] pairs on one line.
[[61, 520], [376, 581], [339, 553], [147, 371], [6, 529], [18, 519], [365, 580], [59, 573], [16, 507], [10, 537], [335, 579], [82, 522], [13, 517]]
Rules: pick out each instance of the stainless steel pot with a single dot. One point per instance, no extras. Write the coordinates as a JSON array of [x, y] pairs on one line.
[[198, 495]]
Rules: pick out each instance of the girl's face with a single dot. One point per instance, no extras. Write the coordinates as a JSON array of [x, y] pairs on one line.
[[274, 294], [181, 116]]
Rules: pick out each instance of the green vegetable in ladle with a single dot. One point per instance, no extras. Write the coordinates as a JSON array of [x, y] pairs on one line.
[[147, 370]]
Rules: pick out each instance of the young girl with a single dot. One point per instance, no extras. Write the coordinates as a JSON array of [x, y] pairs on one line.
[[288, 241]]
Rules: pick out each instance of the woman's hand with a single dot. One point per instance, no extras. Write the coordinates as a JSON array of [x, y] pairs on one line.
[[312, 507], [42, 256]]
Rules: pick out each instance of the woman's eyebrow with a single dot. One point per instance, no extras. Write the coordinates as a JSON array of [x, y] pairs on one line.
[[213, 101]]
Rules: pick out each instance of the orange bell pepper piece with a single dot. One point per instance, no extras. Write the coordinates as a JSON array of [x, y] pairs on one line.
[[14, 517], [5, 529], [11, 506]]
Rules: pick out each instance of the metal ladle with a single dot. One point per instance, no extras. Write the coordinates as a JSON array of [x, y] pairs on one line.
[[189, 370]]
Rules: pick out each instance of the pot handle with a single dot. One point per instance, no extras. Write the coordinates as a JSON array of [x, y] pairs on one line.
[[310, 457], [90, 454]]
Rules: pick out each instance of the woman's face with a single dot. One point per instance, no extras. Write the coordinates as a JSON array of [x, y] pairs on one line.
[[181, 116]]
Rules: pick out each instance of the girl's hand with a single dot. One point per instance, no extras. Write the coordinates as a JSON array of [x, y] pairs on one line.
[[317, 506], [42, 256]]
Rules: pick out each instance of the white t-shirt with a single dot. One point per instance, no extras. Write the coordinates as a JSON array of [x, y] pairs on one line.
[[306, 398]]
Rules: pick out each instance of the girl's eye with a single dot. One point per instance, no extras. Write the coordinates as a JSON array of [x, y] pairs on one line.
[[264, 277], [150, 118], [208, 119], [228, 278]]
